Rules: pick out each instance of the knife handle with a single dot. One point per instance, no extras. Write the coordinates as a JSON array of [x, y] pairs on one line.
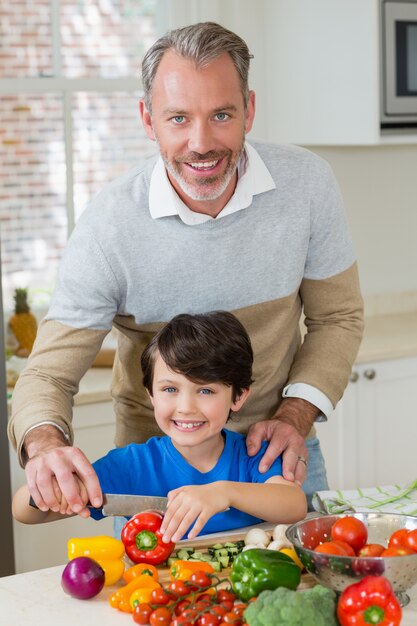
[[35, 506]]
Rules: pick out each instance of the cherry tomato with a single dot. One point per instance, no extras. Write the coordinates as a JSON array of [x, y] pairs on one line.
[[410, 541], [160, 617], [398, 538], [330, 547], [178, 588], [232, 618], [190, 614], [346, 547], [398, 551], [225, 594], [239, 608], [181, 621], [141, 613], [207, 619], [227, 605], [160, 596], [205, 597], [181, 606], [200, 579], [218, 609], [351, 530], [371, 549]]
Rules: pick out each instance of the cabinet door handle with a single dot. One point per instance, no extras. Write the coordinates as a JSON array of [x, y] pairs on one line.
[[353, 377], [370, 374]]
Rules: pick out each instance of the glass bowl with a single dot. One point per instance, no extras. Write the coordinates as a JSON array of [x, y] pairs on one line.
[[337, 572]]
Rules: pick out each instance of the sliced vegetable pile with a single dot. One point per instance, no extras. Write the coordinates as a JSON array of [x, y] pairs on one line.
[[219, 555]]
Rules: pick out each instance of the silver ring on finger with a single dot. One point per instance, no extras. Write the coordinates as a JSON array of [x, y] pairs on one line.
[[302, 459]]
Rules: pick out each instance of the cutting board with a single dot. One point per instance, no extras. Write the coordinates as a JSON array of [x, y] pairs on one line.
[[206, 541]]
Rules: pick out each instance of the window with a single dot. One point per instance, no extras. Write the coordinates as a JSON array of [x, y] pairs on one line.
[[69, 90]]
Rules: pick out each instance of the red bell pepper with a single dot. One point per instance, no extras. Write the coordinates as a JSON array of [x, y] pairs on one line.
[[370, 601], [143, 540]]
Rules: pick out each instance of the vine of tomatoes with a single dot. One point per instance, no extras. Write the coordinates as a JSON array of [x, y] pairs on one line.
[[199, 601]]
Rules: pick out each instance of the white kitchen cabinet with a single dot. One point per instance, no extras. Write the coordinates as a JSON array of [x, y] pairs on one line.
[[371, 438], [322, 72], [45, 545]]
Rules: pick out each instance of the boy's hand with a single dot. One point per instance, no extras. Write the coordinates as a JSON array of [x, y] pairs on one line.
[[193, 503]]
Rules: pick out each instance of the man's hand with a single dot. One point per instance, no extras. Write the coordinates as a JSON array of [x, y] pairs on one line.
[[193, 503], [286, 433], [58, 473]]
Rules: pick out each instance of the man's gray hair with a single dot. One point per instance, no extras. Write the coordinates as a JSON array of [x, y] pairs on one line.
[[202, 43]]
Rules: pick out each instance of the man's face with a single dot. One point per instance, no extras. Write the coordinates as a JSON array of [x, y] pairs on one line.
[[199, 122]]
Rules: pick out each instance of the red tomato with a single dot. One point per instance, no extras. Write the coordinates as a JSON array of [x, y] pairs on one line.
[[160, 617], [410, 541], [181, 621], [207, 619], [178, 588], [398, 538], [141, 613], [371, 549], [397, 551], [346, 547], [225, 595], [160, 596], [330, 547], [200, 579], [351, 530], [181, 606], [232, 618]]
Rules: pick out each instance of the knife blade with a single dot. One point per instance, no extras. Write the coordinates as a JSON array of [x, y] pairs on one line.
[[123, 504], [126, 505]]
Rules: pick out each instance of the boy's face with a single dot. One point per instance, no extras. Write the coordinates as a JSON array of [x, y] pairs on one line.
[[190, 413]]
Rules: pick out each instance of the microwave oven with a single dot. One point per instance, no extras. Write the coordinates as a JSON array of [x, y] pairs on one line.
[[398, 63]]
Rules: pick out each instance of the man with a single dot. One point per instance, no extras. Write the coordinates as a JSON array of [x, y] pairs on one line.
[[214, 223]]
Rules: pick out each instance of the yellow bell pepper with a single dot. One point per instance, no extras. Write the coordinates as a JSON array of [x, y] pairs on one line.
[[293, 555], [107, 551], [143, 594]]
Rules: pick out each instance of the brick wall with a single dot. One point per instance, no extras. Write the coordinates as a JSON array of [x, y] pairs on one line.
[[99, 39]]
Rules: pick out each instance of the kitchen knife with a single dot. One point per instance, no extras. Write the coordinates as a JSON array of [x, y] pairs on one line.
[[127, 505]]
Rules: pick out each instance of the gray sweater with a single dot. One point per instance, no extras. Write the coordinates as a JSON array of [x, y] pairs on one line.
[[289, 250]]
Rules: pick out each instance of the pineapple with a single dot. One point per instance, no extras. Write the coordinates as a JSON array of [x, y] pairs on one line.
[[23, 323]]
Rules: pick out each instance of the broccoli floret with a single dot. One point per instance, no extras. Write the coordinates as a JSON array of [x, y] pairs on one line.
[[284, 607]]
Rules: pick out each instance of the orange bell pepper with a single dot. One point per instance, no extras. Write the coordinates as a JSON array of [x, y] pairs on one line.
[[120, 599], [138, 570], [182, 570]]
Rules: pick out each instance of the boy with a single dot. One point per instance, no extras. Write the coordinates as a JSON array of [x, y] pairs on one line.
[[197, 371]]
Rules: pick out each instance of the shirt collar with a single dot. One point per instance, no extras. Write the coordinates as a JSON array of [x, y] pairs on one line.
[[253, 178]]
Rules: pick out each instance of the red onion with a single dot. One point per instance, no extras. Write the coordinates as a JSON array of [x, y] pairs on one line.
[[82, 578]]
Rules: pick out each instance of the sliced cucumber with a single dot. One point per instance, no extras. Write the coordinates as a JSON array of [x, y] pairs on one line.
[[219, 555]]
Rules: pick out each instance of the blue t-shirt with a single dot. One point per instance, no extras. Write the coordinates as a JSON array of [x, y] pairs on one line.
[[155, 467]]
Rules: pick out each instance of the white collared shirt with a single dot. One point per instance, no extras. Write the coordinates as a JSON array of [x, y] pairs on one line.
[[253, 178]]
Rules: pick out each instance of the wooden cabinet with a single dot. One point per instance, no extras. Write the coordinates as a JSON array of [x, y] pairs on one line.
[[45, 545], [370, 439]]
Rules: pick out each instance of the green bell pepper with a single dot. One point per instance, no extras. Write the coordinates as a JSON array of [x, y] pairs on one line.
[[258, 569]]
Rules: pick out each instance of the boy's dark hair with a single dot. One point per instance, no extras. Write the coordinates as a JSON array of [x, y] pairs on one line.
[[208, 347]]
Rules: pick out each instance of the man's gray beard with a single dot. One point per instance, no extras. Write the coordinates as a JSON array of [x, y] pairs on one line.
[[196, 192]]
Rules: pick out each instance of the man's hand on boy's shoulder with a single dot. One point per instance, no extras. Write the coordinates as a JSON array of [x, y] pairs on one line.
[[286, 433]]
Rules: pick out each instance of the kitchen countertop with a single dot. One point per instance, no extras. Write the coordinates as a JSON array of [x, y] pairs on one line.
[[37, 599], [391, 336]]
